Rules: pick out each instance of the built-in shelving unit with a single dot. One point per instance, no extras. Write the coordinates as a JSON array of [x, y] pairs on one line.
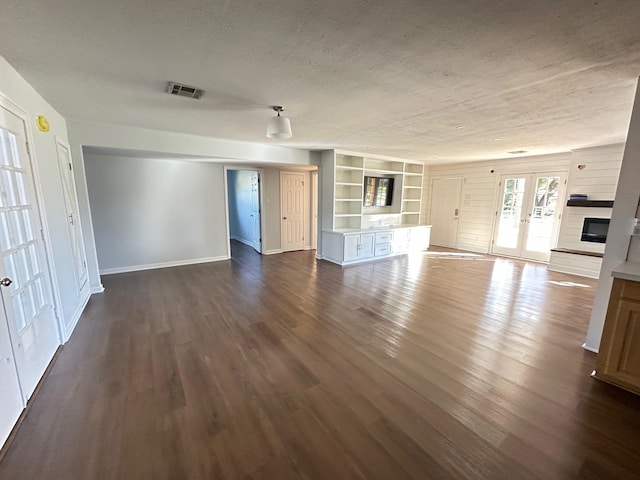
[[343, 191]]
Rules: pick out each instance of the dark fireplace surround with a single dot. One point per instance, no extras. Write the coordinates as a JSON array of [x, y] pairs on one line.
[[595, 230]]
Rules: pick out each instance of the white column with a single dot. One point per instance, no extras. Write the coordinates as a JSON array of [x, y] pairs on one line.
[[619, 235]]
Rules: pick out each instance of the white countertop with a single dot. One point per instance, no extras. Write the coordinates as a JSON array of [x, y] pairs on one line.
[[383, 228], [627, 271]]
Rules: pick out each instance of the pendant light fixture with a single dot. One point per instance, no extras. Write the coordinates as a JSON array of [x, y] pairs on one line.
[[278, 127]]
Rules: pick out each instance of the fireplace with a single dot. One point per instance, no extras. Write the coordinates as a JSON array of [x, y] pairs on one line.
[[595, 230]]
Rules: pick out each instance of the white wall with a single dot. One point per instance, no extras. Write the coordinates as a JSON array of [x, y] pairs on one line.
[[271, 216], [149, 212], [480, 190], [598, 178], [240, 194], [622, 217], [140, 139], [18, 91]]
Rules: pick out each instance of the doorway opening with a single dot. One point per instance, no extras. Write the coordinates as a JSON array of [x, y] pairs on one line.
[[244, 203]]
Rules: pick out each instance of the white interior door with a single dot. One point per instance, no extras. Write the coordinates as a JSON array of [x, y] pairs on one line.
[[255, 211], [11, 402], [292, 191], [25, 288], [445, 208], [73, 220], [529, 215]]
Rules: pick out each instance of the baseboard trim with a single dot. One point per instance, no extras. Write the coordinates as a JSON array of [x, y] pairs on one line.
[[590, 349], [242, 240], [99, 289], [273, 252], [153, 266], [12, 435], [76, 317]]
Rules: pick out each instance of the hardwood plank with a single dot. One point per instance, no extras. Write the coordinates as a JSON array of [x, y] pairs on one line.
[[436, 365]]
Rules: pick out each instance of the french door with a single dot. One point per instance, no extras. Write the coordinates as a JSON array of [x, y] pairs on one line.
[[528, 215], [27, 305]]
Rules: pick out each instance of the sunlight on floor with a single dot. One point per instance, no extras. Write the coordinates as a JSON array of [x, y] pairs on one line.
[[569, 284], [451, 254]]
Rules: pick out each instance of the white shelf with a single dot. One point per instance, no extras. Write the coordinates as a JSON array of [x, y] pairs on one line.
[[373, 171], [342, 215], [348, 199], [411, 186], [410, 174], [345, 167], [412, 200], [349, 184]]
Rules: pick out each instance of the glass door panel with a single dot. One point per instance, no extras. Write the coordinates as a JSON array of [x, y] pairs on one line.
[[510, 219], [528, 215], [542, 219]]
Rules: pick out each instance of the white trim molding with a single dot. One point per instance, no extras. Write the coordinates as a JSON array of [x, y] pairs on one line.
[[75, 318], [273, 251], [152, 266]]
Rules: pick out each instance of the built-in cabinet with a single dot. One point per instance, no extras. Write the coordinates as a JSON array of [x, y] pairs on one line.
[[619, 356], [356, 247], [353, 233]]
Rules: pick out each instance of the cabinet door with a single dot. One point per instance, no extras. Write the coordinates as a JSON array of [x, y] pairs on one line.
[[621, 345], [419, 238], [400, 240], [351, 247], [367, 241]]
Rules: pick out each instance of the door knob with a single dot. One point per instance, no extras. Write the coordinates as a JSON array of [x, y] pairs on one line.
[[284, 218], [5, 282]]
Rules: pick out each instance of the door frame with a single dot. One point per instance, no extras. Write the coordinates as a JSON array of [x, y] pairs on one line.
[[447, 177], [498, 201], [261, 201], [304, 204], [61, 142], [46, 237]]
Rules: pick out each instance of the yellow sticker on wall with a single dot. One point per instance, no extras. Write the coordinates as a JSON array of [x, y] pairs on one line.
[[43, 123]]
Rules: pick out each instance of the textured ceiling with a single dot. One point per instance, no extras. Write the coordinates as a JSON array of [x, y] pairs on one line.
[[426, 79]]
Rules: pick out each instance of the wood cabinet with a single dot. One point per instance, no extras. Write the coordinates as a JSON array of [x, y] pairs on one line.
[[619, 356]]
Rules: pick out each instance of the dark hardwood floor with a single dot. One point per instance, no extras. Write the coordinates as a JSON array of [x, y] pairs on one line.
[[431, 366]]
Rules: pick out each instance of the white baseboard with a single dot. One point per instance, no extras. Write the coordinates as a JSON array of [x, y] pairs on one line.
[[98, 289], [242, 240], [68, 330], [590, 349], [272, 252], [179, 263]]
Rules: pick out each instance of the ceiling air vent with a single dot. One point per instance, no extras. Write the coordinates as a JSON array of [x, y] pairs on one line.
[[184, 90]]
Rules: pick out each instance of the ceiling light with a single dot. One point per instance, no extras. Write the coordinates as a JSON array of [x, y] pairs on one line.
[[279, 127]]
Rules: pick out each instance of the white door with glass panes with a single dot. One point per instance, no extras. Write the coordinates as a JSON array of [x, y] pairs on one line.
[[528, 215], [24, 273]]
